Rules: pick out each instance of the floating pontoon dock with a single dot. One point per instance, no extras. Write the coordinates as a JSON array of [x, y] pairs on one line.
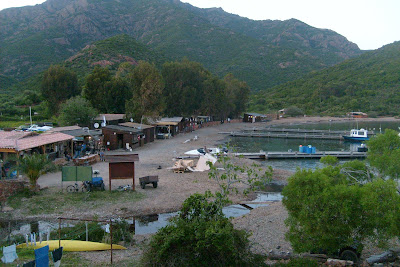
[[291, 133], [288, 135], [298, 155]]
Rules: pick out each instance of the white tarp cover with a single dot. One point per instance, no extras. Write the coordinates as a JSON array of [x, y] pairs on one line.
[[202, 163]]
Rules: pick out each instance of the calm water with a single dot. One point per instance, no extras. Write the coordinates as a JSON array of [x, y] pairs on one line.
[[345, 125], [249, 144], [143, 225]]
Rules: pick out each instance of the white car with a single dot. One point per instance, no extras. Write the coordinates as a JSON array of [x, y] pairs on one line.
[[36, 128]]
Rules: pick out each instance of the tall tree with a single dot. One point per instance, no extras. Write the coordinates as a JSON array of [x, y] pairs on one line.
[[237, 94], [184, 82], [117, 93], [147, 85], [58, 85], [96, 87], [215, 100], [106, 93], [77, 110]]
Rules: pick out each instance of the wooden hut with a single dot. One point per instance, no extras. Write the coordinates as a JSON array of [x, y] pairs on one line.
[[165, 129], [254, 117], [148, 130], [92, 138], [117, 136], [179, 120]]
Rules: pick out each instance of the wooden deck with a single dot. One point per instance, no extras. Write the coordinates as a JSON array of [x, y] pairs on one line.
[[298, 155]]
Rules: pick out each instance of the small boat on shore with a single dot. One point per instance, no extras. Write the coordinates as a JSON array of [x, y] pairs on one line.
[[72, 245], [357, 135]]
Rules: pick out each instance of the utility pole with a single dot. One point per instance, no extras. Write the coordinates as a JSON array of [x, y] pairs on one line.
[[30, 114]]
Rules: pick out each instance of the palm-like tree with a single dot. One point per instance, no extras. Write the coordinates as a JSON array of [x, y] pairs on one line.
[[33, 166]]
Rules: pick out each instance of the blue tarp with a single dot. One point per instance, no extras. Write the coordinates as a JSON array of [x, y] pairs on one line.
[[42, 256]]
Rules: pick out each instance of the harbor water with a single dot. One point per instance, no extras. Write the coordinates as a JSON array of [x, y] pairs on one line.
[[250, 144]]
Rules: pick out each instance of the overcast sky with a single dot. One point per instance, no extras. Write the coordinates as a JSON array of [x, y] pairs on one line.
[[368, 23]]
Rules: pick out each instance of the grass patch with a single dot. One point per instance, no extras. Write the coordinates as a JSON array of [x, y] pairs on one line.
[[12, 124], [68, 258], [54, 201]]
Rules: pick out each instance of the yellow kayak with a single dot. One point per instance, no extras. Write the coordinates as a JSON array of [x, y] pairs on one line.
[[72, 245]]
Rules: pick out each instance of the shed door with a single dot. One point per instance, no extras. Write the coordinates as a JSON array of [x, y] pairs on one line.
[[120, 140]]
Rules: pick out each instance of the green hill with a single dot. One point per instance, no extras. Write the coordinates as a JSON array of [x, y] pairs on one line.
[[368, 83], [110, 53], [262, 53]]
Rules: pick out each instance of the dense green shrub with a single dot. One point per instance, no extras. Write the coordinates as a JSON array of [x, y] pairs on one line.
[[200, 236], [293, 111], [331, 208], [329, 160]]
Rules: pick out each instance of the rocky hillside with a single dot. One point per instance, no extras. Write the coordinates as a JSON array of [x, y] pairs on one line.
[[290, 34], [263, 53]]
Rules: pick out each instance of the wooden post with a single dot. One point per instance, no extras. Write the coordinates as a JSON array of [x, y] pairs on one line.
[[72, 149], [87, 231], [111, 237], [133, 177], [133, 225], [109, 176], [18, 158], [59, 232]]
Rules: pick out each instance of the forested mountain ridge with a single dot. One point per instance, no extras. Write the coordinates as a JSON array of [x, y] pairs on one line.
[[368, 83], [32, 38]]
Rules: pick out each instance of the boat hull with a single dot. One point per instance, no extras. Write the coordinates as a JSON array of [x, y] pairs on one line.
[[72, 245], [355, 139]]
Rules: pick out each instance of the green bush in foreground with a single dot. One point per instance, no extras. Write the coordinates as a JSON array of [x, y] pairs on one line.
[[332, 208], [200, 236]]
